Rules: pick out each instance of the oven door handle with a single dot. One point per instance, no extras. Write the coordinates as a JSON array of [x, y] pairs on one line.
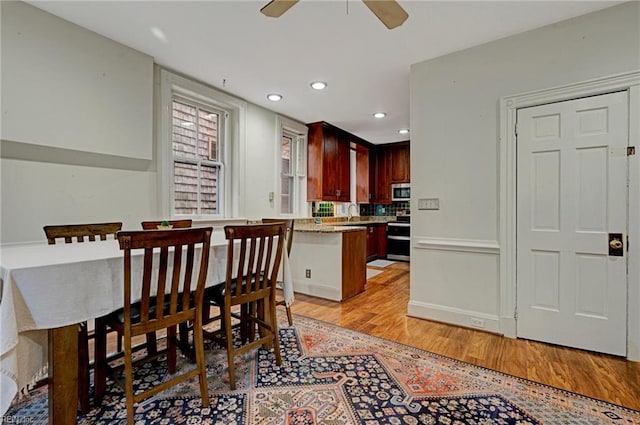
[[399, 238]]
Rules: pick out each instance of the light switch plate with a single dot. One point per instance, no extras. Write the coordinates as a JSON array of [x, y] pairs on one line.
[[429, 204]]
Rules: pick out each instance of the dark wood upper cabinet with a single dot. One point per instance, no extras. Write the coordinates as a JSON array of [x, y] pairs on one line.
[[363, 175], [382, 175], [328, 152], [400, 163]]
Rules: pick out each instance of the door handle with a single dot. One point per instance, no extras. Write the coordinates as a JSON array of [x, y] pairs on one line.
[[616, 246]]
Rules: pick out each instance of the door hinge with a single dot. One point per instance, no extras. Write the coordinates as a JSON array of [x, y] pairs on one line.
[[515, 129], [515, 313], [627, 243], [631, 150]]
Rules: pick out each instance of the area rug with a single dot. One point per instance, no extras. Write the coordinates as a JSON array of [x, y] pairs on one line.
[[380, 263], [372, 272], [331, 375]]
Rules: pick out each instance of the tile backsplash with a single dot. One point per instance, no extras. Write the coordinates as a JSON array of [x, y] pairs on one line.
[[395, 208], [327, 209]]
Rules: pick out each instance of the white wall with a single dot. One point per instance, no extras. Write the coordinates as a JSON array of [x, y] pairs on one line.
[[454, 149], [66, 87], [260, 174], [78, 143]]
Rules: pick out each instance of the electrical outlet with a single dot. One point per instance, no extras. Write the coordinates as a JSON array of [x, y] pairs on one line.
[[477, 323], [307, 273]]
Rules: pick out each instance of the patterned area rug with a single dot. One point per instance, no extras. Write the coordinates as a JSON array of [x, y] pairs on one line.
[[331, 375]]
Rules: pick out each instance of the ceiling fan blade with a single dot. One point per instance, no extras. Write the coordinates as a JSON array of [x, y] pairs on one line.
[[388, 11], [275, 8]]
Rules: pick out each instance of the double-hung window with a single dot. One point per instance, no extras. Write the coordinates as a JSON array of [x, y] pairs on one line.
[[197, 156], [201, 135], [287, 177], [293, 166]]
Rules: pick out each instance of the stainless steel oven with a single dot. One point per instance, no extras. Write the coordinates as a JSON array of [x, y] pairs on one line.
[[399, 239]]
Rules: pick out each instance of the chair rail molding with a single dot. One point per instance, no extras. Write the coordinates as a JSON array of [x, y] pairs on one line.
[[508, 107], [461, 245]]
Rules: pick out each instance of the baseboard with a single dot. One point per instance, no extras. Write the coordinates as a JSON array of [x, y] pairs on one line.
[[454, 316], [508, 327]]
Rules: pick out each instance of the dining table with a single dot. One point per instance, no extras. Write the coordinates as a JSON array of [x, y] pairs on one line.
[[47, 290]]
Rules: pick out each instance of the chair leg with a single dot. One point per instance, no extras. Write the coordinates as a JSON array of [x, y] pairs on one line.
[[230, 354], [100, 360], [83, 367], [128, 376], [171, 350], [289, 315], [201, 362], [152, 344], [274, 329]]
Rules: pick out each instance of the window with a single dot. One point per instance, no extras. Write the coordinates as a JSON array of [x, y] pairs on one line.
[[197, 159], [293, 166], [201, 141], [287, 152]]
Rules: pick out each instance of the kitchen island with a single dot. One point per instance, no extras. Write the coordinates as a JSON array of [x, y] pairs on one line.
[[329, 261]]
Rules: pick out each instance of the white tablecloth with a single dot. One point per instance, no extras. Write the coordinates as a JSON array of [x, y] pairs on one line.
[[49, 286]]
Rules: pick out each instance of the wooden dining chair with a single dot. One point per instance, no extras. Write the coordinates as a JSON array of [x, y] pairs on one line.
[[80, 233], [167, 292], [175, 224], [289, 236], [254, 254]]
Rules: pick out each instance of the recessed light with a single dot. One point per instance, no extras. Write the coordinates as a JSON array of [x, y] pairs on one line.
[[274, 97], [318, 85], [159, 34], [403, 131], [380, 114]]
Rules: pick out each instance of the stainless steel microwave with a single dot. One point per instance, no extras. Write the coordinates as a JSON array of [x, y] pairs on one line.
[[401, 192]]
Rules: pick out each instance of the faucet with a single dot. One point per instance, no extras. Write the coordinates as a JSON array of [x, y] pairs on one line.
[[349, 215]]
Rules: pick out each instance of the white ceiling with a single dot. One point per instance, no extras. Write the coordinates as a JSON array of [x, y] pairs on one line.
[[232, 46]]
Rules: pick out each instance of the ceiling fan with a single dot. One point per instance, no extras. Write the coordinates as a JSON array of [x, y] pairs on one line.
[[388, 11]]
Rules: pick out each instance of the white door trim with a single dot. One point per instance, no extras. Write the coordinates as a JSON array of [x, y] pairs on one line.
[[507, 140]]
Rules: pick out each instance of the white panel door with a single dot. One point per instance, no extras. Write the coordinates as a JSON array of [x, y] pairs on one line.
[[571, 193]]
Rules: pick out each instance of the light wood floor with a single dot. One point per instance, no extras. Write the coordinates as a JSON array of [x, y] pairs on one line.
[[381, 311]]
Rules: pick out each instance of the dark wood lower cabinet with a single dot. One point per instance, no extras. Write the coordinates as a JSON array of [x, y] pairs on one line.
[[376, 241]]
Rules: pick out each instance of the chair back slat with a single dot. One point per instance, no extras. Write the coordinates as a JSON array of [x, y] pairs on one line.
[[81, 231], [170, 299], [256, 250], [187, 276], [175, 290]]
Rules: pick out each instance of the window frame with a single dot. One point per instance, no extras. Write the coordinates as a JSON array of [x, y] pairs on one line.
[[298, 192], [232, 134], [198, 162]]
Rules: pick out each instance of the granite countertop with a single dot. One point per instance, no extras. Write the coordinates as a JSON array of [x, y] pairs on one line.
[[339, 224], [327, 228]]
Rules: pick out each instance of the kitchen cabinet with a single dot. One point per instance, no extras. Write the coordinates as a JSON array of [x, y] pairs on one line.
[[328, 176], [400, 162], [363, 175], [329, 263], [376, 241], [382, 177]]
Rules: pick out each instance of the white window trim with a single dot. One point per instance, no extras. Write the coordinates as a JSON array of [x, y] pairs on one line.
[[300, 206], [234, 142]]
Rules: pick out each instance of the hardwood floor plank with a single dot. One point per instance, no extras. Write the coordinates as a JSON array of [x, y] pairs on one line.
[[382, 311]]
